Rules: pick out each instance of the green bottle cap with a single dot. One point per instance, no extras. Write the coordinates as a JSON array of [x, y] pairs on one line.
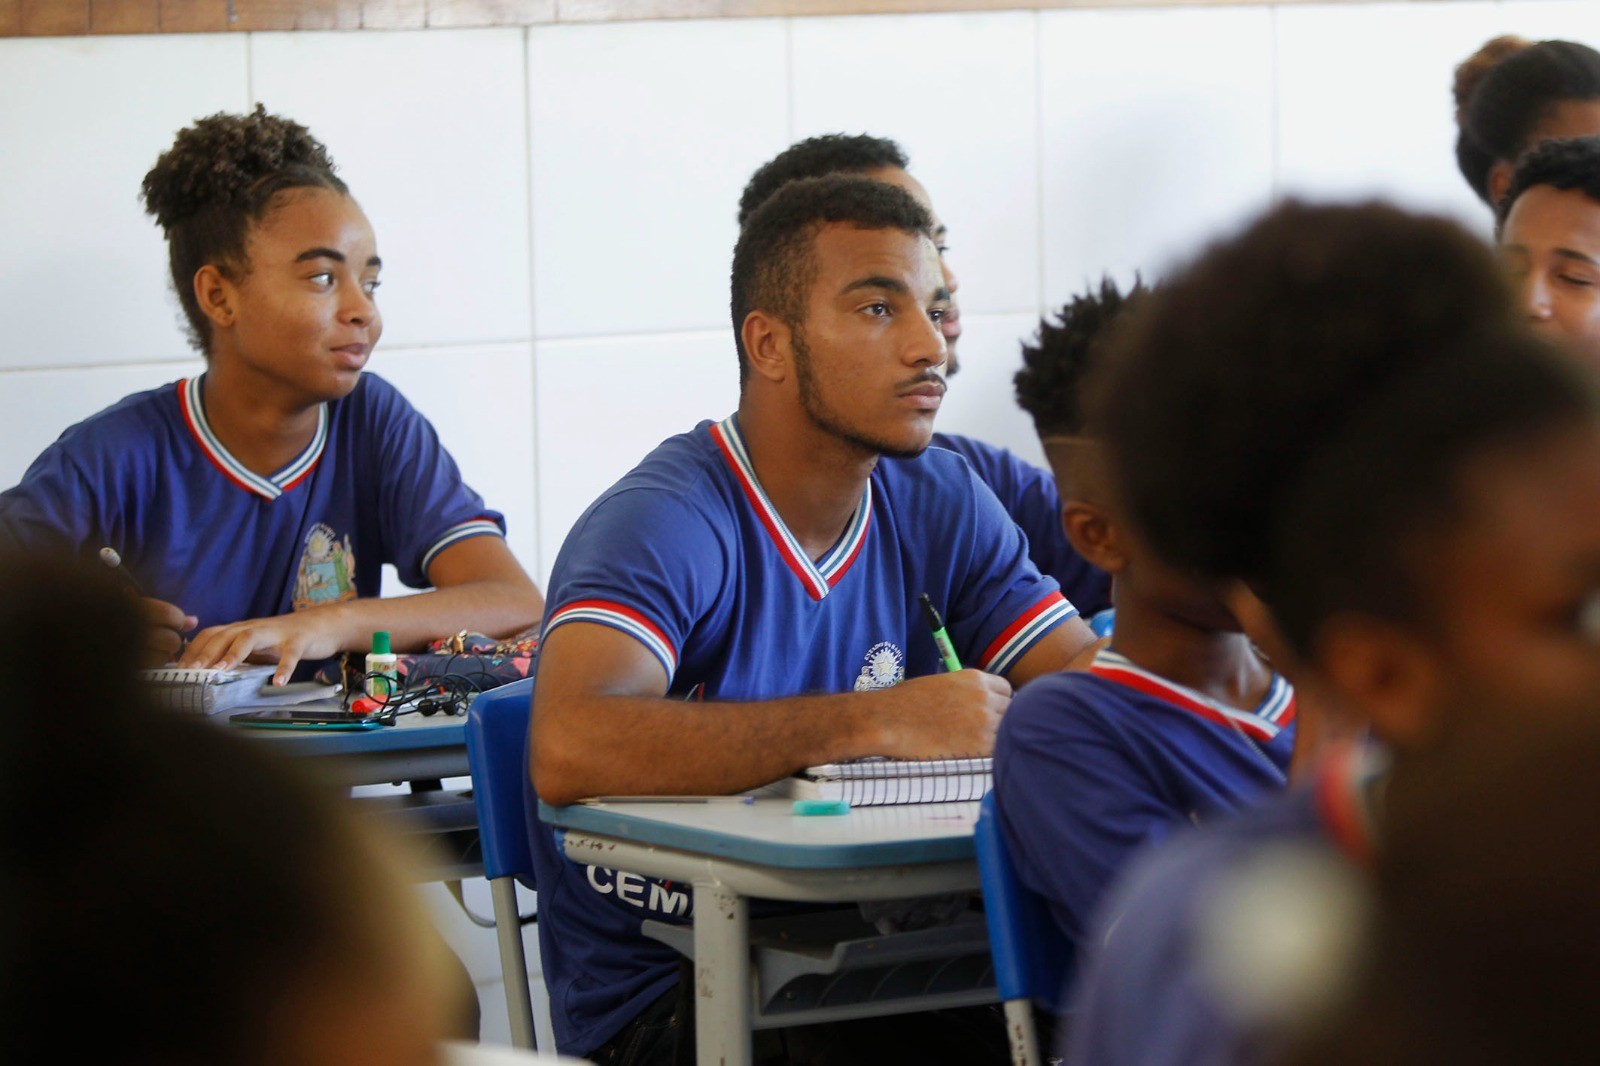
[[380, 642]]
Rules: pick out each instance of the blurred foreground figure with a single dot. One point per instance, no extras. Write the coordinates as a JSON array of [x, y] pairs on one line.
[[172, 891]]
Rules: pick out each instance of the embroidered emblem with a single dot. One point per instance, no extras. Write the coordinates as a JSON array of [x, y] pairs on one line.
[[886, 666], [327, 571]]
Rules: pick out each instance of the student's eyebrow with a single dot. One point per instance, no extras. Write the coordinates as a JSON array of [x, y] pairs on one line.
[[337, 256], [941, 295], [876, 281], [1569, 253]]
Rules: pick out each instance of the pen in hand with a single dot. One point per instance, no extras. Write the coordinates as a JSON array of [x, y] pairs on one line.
[[112, 559], [941, 639]]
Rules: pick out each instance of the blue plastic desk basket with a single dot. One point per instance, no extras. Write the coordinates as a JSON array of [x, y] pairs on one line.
[[1029, 951]]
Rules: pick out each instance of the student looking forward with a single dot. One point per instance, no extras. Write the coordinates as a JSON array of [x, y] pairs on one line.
[[744, 603]]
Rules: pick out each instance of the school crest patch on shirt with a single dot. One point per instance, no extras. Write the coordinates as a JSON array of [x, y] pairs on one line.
[[327, 569], [886, 666]]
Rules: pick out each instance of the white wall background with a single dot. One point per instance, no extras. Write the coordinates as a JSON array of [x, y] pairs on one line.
[[555, 205]]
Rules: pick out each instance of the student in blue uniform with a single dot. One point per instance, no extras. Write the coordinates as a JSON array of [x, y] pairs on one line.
[[1028, 494], [744, 603], [1549, 228], [1512, 94], [259, 501], [1178, 721], [1411, 482]]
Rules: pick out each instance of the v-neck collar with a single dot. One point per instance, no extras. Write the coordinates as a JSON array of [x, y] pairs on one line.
[[1275, 711], [1345, 800], [191, 401], [820, 576]]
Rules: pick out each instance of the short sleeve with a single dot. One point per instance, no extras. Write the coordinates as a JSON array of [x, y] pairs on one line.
[[58, 506], [425, 505], [1002, 605], [645, 561]]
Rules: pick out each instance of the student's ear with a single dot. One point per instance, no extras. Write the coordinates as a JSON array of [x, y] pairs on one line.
[[215, 295], [1093, 536], [1500, 175], [767, 345], [1388, 673]]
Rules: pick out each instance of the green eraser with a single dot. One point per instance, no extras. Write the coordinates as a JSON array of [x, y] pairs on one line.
[[822, 806]]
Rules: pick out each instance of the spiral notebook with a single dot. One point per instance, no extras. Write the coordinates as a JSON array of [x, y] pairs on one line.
[[206, 691], [880, 781]]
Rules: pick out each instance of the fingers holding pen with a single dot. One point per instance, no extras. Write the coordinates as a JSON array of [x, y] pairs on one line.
[[165, 625]]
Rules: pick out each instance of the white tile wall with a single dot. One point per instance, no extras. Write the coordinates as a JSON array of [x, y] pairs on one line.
[[1364, 105], [556, 205], [960, 95], [429, 130], [1571, 20], [604, 403], [643, 135], [478, 398], [83, 270], [1156, 131], [37, 405]]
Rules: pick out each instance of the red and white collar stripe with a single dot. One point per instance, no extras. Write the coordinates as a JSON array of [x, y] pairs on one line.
[[1276, 710], [822, 575], [191, 402], [1343, 792]]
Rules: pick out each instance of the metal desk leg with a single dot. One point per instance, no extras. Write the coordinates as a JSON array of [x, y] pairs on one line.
[[721, 976]]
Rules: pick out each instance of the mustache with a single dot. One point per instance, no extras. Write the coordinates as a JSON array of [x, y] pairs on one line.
[[927, 377]]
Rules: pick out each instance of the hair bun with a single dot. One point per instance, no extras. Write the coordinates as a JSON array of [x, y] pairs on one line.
[[1470, 72], [216, 161]]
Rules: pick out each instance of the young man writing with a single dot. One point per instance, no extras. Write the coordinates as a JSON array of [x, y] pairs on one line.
[[767, 570]]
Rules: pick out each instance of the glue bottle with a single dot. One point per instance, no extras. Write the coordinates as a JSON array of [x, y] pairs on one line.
[[383, 673]]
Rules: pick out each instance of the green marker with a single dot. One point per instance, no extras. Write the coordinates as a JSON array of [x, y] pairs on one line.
[[947, 651]]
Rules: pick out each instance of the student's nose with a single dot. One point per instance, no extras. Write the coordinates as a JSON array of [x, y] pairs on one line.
[[926, 346], [359, 307], [951, 282], [1536, 297]]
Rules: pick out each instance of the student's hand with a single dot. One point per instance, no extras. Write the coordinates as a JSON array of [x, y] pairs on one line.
[[285, 640], [165, 625], [943, 714]]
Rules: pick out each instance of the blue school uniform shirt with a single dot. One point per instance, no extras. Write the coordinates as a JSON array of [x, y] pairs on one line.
[[687, 555], [149, 478], [1146, 996], [1090, 766], [1030, 497]]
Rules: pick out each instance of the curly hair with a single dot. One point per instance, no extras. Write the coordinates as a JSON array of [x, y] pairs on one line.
[[1564, 163], [1294, 407], [1505, 88], [817, 157], [219, 177], [773, 263], [1049, 385]]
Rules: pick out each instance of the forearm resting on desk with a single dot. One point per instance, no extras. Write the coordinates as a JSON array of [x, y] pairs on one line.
[[480, 586], [595, 733]]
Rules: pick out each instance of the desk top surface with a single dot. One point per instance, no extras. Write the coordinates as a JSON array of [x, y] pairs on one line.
[[410, 731], [767, 831]]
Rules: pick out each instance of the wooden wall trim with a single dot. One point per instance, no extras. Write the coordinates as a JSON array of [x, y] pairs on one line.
[[77, 18]]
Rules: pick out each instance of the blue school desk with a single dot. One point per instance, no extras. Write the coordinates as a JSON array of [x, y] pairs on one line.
[[801, 969], [417, 751]]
